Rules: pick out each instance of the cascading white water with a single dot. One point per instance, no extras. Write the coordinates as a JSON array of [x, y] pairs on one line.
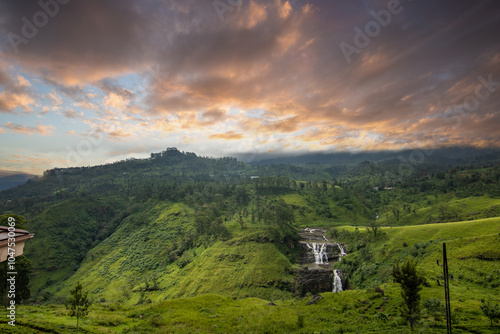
[[342, 253], [337, 282], [319, 253]]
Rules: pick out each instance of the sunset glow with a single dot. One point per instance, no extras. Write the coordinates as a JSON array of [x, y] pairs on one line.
[[92, 82]]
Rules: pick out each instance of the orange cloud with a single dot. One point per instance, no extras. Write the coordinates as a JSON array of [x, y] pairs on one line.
[[268, 69], [9, 101], [115, 101], [23, 82], [213, 116], [117, 134], [230, 135], [27, 130], [34, 163], [255, 13]]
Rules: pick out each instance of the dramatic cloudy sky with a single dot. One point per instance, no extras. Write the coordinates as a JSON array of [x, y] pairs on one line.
[[95, 81]]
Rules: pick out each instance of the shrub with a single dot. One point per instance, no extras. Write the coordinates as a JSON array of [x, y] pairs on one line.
[[435, 308], [300, 321], [379, 290], [492, 311], [382, 317]]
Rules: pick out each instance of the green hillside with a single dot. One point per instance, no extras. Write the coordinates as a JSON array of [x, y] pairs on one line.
[[181, 243], [473, 260], [64, 234], [144, 252]]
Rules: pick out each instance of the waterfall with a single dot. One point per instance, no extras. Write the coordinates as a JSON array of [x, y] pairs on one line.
[[319, 252], [342, 253], [337, 282]]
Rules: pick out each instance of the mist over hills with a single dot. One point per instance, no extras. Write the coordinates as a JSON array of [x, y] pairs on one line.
[[441, 156]]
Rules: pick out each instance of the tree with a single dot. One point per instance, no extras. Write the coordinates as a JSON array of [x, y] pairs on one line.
[[279, 214], [242, 222], [411, 283], [241, 195], [491, 311], [374, 226], [78, 304], [284, 213], [21, 222]]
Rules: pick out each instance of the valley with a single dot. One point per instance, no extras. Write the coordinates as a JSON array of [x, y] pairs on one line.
[[180, 243]]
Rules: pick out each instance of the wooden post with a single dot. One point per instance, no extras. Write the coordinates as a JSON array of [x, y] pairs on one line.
[[446, 290]]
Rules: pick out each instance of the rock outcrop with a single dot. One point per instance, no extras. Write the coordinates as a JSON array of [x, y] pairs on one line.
[[313, 281]]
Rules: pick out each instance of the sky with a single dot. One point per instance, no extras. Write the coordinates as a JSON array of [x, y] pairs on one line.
[[91, 82]]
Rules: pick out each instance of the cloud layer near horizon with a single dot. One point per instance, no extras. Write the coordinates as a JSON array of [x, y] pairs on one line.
[[216, 77]]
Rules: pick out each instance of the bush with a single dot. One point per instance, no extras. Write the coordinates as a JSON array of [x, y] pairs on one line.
[[492, 311], [379, 290], [435, 308], [381, 316], [300, 321], [156, 320]]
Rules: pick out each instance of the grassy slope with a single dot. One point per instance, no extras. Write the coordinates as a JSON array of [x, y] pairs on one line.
[[472, 247], [469, 244], [247, 269], [117, 268], [137, 248], [66, 231], [63, 234], [473, 259], [431, 208], [428, 208]]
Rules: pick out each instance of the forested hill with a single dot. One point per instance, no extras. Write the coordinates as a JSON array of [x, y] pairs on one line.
[[137, 176], [157, 176], [130, 177], [177, 224]]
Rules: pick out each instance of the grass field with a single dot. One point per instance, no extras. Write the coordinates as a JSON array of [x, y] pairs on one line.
[[473, 256]]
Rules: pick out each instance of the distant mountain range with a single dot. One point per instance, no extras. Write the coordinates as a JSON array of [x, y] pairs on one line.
[[442, 156], [10, 179]]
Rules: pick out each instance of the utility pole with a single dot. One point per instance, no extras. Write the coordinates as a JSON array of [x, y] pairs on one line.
[[446, 290]]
